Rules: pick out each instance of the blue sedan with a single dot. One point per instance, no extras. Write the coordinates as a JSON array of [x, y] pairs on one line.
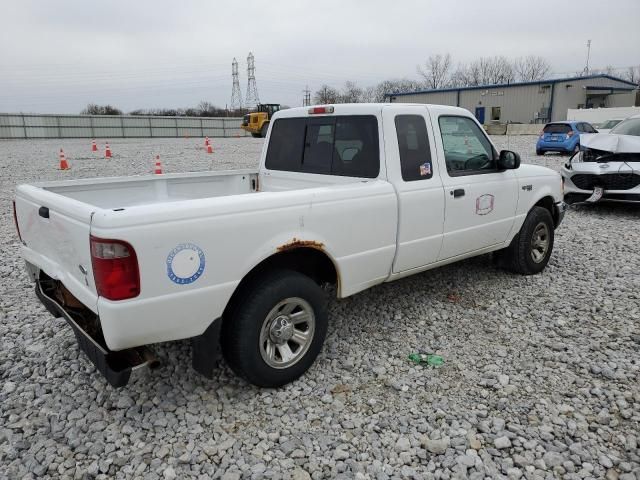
[[563, 137]]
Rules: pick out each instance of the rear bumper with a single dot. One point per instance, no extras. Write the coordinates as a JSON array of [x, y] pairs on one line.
[[555, 147], [117, 367]]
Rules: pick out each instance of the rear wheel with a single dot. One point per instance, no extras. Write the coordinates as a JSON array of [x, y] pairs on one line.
[[539, 152], [531, 248], [263, 130], [276, 330]]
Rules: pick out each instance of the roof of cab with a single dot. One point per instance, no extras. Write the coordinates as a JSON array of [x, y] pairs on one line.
[[359, 109]]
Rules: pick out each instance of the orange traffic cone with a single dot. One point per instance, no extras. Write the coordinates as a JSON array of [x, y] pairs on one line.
[[63, 161], [107, 151], [158, 169], [206, 141], [209, 148], [94, 147]]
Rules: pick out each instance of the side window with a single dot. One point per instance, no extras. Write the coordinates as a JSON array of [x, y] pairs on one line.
[[356, 152], [413, 143], [589, 128], [581, 127], [467, 150], [286, 144]]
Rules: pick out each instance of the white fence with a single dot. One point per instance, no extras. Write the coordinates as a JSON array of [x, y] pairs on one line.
[[115, 126], [600, 115]]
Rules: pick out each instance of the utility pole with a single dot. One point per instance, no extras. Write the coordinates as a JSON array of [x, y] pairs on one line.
[[586, 68], [236, 96], [251, 99], [306, 101]]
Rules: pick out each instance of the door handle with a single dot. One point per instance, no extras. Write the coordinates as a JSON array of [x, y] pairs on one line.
[[458, 192]]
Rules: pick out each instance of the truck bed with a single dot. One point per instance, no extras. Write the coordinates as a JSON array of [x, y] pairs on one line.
[[122, 192]]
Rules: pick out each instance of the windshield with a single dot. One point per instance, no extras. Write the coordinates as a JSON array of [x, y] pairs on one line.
[[610, 123], [630, 126], [557, 128]]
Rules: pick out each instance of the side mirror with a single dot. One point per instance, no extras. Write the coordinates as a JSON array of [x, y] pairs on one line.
[[508, 160]]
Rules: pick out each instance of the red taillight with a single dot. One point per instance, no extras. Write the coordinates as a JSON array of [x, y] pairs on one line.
[[15, 220], [569, 133], [542, 134], [319, 110], [115, 269]]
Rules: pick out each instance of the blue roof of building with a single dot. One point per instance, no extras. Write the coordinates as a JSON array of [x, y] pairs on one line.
[[515, 84]]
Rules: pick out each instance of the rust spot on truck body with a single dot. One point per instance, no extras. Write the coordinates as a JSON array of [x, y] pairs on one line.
[[299, 243]]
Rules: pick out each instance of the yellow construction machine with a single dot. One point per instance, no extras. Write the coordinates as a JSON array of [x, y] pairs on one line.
[[257, 123]]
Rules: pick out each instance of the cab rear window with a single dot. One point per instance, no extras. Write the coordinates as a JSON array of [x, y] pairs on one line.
[[557, 128], [342, 145]]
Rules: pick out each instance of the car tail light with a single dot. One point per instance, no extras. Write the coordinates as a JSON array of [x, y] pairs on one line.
[[319, 110], [115, 269], [15, 220], [570, 134]]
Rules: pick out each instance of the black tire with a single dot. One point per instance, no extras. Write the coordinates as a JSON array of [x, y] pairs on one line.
[[539, 152], [255, 135], [520, 257], [263, 130], [241, 332]]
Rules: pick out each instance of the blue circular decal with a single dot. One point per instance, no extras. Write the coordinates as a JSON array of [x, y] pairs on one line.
[[185, 263]]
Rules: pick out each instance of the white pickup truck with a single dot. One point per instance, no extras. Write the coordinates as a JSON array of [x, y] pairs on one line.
[[350, 195]]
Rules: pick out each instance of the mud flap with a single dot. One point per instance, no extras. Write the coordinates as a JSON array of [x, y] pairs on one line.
[[205, 349]]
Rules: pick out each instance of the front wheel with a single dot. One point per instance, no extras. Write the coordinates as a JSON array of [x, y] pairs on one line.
[[255, 135], [531, 248], [263, 130], [276, 330]]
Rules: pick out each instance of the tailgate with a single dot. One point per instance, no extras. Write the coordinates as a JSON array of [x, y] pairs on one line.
[[55, 234]]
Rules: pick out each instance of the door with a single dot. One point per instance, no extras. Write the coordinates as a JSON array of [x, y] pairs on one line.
[[480, 200], [480, 114], [410, 155]]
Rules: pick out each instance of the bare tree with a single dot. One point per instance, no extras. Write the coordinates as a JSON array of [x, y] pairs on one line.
[[369, 95], [326, 94], [93, 109], [403, 85], [633, 75], [351, 93], [531, 68], [436, 70], [485, 71]]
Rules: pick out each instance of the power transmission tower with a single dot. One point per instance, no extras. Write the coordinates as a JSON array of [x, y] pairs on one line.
[[252, 99], [236, 96], [306, 101]]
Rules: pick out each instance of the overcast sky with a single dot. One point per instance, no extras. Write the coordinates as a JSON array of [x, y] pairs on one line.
[[57, 56]]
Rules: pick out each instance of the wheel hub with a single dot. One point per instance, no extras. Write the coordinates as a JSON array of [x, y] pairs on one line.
[[281, 330], [539, 242], [287, 332]]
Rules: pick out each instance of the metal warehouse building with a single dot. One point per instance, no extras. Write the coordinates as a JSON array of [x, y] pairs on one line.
[[530, 102]]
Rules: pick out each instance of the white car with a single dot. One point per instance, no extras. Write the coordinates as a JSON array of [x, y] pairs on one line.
[[606, 127], [352, 195], [607, 168]]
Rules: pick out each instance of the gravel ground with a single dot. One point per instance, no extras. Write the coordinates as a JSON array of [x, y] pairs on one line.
[[541, 375]]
